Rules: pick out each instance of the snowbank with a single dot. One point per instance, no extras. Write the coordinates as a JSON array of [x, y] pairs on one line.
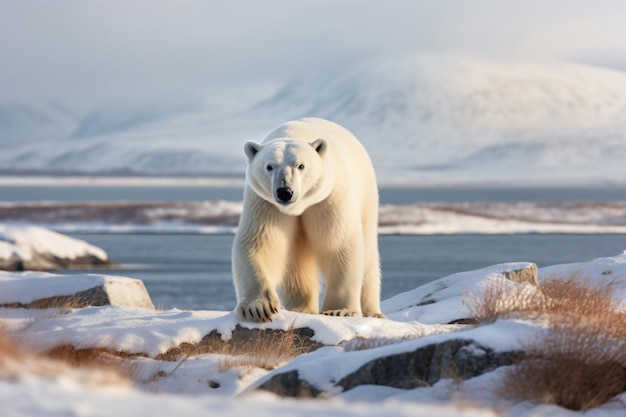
[[43, 290], [36, 248], [441, 301], [353, 351]]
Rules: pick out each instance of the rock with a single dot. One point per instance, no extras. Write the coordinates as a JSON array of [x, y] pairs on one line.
[[442, 301], [214, 343], [31, 248], [424, 366], [525, 274], [456, 358], [289, 384], [43, 290]]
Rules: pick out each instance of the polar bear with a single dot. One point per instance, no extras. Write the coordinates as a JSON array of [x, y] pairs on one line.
[[310, 202]]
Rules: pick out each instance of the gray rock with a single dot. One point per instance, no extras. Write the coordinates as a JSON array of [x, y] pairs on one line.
[[289, 384], [37, 290], [213, 342], [456, 358], [526, 274]]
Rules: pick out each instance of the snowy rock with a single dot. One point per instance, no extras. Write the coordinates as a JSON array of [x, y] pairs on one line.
[[526, 274], [214, 342], [166, 334], [449, 292], [39, 290], [408, 364], [36, 248], [424, 366], [427, 365]]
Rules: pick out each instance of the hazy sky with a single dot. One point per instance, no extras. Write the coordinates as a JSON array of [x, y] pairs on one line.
[[85, 51]]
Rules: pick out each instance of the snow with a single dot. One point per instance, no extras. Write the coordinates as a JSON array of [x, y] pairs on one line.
[[197, 385], [425, 119], [145, 331], [447, 294], [26, 287], [220, 217], [64, 398], [331, 364], [26, 241]]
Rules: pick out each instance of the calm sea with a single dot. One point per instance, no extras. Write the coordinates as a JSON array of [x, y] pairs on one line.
[[387, 195], [193, 271]]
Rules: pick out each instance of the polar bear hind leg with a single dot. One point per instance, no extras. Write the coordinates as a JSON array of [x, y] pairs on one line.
[[300, 286], [343, 271]]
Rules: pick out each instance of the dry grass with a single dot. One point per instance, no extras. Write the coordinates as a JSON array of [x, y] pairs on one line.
[[247, 349], [10, 355], [263, 348], [260, 348], [580, 361], [577, 366], [265, 351], [17, 362], [574, 295], [94, 359]]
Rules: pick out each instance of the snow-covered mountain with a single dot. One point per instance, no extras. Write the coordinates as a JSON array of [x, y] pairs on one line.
[[22, 123], [423, 118], [446, 118]]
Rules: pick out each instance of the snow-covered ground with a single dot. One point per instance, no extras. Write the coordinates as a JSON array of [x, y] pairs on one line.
[[424, 119], [425, 218], [197, 384]]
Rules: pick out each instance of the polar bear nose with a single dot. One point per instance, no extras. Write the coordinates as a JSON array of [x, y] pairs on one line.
[[284, 194]]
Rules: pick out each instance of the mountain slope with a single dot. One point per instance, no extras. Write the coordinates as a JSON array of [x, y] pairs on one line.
[[422, 118], [445, 114]]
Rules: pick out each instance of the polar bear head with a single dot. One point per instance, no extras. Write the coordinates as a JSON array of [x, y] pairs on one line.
[[291, 174]]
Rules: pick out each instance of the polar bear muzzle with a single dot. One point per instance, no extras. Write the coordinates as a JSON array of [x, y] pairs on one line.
[[284, 195]]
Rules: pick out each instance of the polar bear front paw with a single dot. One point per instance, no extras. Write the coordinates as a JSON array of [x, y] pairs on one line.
[[341, 313], [259, 310]]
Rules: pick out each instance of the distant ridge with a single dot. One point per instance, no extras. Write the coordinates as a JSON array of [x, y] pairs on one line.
[[424, 119]]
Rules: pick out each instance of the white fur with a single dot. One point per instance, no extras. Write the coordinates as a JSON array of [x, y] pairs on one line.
[[330, 224]]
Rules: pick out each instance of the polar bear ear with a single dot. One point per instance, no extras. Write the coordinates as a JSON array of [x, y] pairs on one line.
[[320, 145], [251, 148]]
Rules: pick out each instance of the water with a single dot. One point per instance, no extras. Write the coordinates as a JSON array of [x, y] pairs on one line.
[[80, 193], [387, 195], [193, 271]]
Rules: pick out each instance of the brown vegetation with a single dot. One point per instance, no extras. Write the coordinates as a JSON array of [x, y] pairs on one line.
[[260, 348], [246, 349], [266, 351], [17, 362], [580, 360]]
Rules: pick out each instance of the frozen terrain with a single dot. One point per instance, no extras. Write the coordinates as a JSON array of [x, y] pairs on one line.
[[221, 217], [424, 119], [201, 383], [29, 247]]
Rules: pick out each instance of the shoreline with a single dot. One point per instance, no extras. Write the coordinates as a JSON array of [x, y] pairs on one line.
[[56, 180]]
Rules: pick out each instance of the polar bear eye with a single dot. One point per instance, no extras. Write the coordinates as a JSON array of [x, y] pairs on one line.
[[301, 166], [269, 167]]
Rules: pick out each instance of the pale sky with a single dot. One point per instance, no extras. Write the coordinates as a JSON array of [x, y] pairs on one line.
[[81, 51]]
